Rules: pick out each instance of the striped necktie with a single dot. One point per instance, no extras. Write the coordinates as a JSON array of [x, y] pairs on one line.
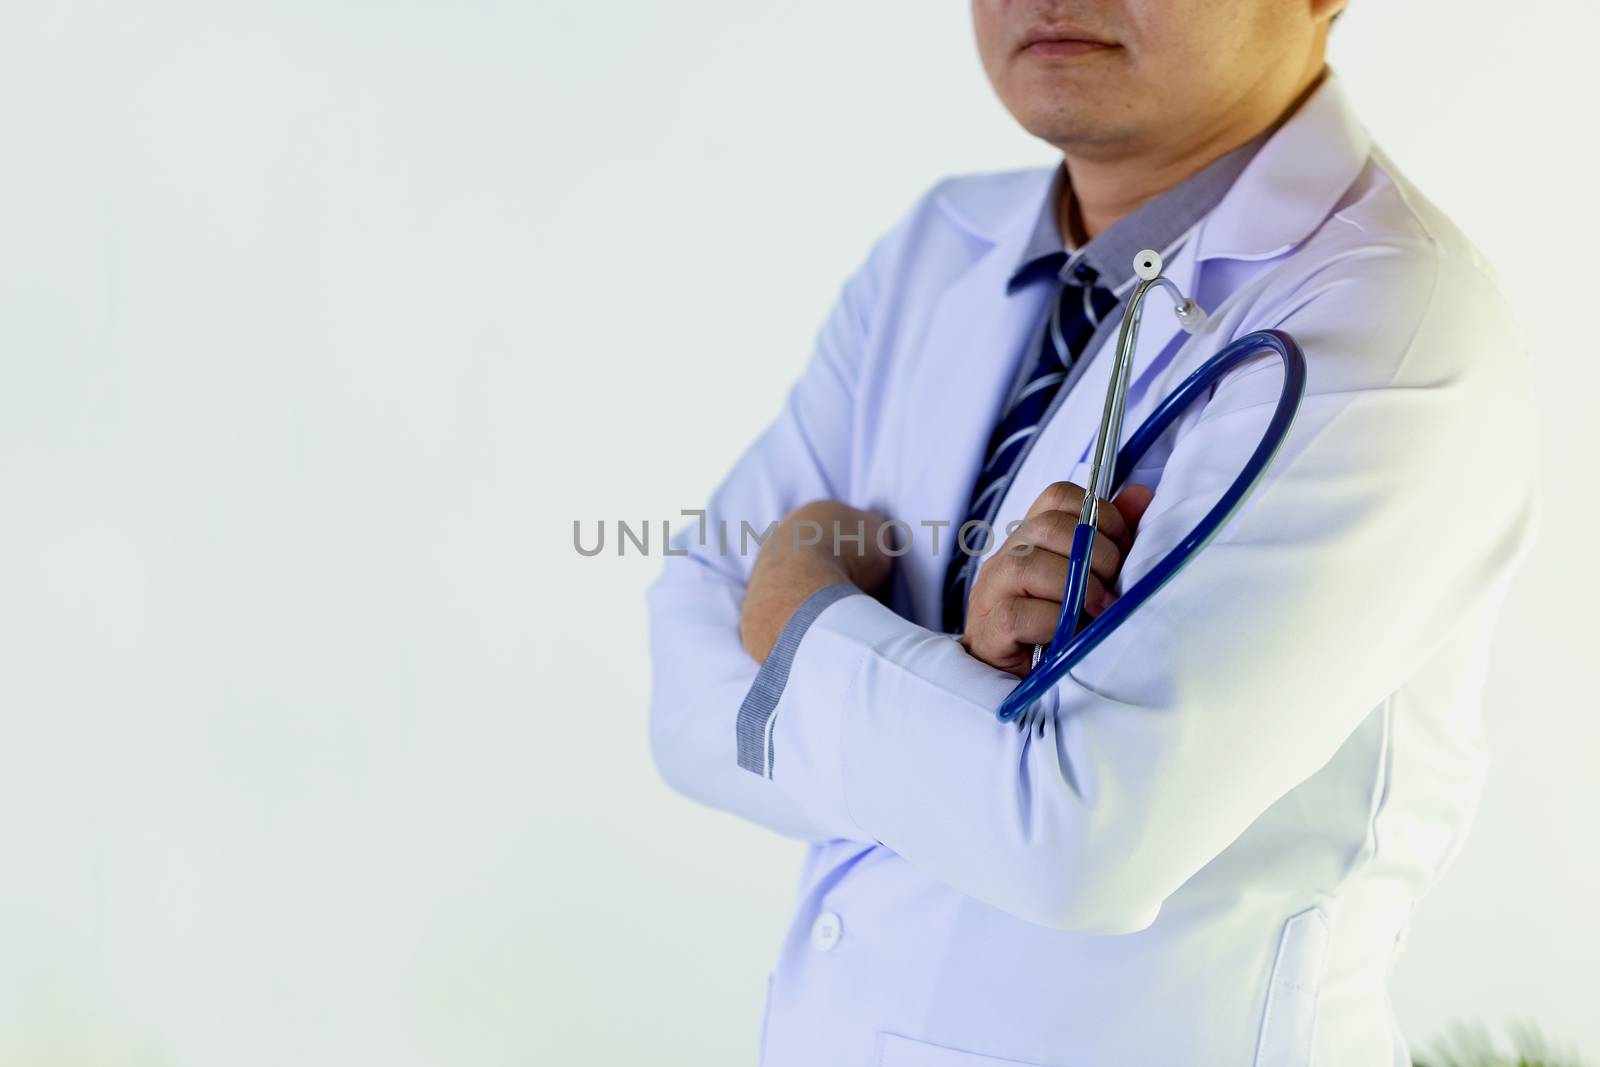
[[1074, 315]]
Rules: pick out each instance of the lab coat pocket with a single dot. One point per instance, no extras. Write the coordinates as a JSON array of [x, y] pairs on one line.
[[1288, 1021], [895, 1050]]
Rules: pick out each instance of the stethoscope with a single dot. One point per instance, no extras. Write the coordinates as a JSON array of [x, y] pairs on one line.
[[1111, 467]]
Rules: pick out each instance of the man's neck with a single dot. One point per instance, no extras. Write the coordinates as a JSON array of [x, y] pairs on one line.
[[1104, 189]]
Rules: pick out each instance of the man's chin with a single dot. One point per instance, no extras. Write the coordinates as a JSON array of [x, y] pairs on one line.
[[1070, 132]]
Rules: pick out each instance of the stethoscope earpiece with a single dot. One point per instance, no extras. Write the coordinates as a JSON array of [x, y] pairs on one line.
[[1147, 264]]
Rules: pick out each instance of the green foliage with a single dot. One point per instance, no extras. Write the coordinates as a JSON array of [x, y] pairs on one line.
[[1472, 1045]]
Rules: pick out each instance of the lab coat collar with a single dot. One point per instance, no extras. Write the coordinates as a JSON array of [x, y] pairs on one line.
[[1293, 183], [1162, 222], [1285, 192]]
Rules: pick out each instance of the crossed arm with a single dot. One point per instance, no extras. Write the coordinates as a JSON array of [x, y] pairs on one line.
[[1014, 604], [1365, 546]]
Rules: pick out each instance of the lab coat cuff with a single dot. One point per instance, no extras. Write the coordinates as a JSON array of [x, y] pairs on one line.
[[821, 731], [753, 726]]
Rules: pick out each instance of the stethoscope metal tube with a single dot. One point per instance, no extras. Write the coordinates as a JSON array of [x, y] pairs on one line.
[[1110, 468]]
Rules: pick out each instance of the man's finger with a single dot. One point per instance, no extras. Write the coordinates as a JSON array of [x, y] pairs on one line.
[[1068, 497], [1058, 496], [1131, 503], [1095, 597], [1041, 574], [1026, 620], [1052, 531]]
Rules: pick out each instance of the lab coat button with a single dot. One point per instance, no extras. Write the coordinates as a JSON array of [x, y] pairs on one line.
[[826, 931]]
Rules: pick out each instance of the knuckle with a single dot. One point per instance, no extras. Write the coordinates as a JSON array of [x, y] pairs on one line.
[[979, 593], [1062, 523], [1011, 568], [1021, 542], [1058, 495]]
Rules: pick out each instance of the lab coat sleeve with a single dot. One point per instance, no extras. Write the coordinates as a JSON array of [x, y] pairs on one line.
[[1398, 506], [701, 671]]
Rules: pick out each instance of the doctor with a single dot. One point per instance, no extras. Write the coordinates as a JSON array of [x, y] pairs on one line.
[[1207, 852]]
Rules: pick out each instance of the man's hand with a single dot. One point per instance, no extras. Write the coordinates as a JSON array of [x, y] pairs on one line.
[[1016, 599], [815, 546]]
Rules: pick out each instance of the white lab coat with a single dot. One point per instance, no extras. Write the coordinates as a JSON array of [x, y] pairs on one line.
[[1210, 853]]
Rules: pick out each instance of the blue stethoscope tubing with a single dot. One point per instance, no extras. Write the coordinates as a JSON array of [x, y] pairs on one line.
[[1067, 648]]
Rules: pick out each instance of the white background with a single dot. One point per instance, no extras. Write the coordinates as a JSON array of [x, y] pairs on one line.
[[321, 322]]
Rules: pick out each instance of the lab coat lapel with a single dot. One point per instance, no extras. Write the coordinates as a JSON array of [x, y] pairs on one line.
[[956, 383]]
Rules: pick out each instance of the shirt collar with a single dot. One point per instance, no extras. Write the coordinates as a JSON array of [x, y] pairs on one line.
[[1161, 223]]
